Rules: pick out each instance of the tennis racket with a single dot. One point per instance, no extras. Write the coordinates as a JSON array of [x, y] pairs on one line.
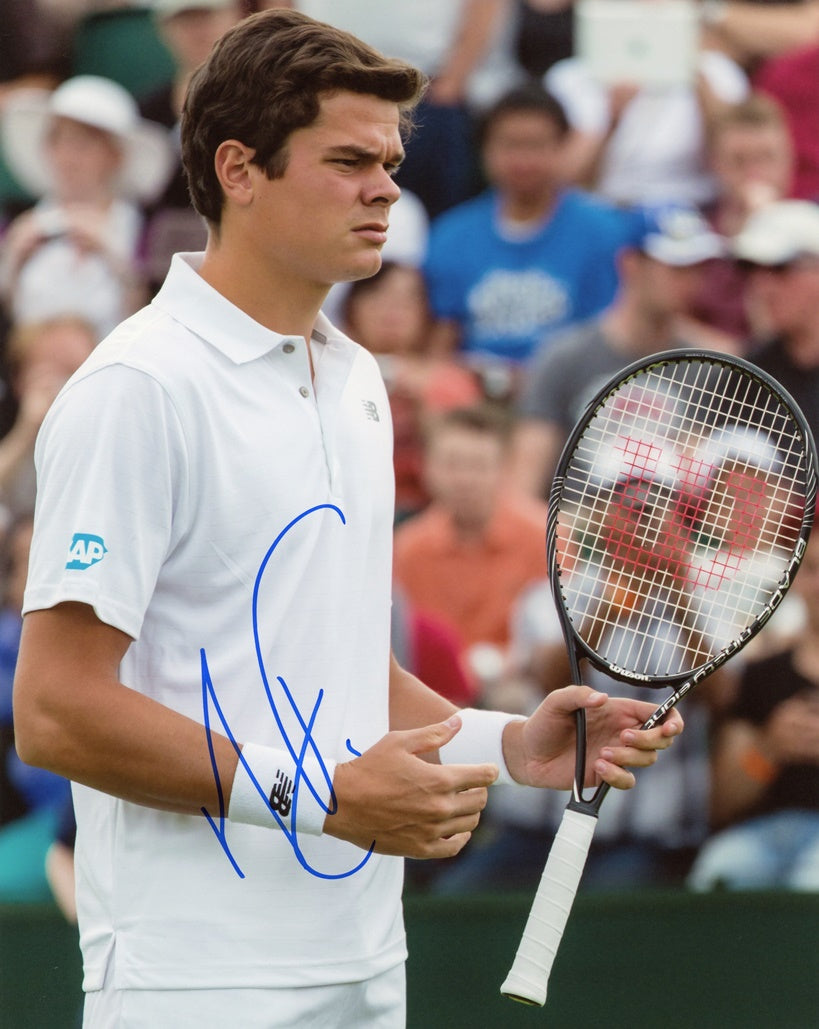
[[678, 516]]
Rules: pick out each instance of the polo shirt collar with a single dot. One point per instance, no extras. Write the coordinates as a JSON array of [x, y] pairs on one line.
[[188, 299]]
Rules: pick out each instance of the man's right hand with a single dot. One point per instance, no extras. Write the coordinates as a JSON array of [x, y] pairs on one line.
[[397, 801]]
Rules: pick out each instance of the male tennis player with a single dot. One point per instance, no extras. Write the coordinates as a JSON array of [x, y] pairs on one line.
[[206, 642]]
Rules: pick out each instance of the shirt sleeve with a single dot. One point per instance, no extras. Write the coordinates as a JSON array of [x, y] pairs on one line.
[[110, 464]]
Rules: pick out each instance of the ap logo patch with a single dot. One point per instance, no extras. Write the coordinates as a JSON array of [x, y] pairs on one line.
[[85, 550]]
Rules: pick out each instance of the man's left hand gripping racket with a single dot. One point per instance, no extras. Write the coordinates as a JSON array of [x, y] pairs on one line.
[[678, 516]]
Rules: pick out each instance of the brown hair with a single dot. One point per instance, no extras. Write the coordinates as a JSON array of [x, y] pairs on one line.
[[756, 111], [265, 79], [529, 98], [482, 419]]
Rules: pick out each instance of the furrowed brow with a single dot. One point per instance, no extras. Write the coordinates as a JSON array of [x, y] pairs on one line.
[[351, 151]]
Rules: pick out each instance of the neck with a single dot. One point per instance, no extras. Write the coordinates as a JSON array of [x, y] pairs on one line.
[[527, 208], [469, 530], [279, 302]]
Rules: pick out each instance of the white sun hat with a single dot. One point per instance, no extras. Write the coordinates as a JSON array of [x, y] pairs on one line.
[[148, 159]]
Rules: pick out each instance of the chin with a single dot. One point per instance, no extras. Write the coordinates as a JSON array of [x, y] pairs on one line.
[[364, 268]]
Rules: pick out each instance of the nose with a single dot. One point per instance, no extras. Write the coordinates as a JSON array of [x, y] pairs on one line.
[[382, 189]]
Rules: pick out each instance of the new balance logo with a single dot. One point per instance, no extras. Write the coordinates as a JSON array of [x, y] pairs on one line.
[[281, 796], [371, 410], [85, 550]]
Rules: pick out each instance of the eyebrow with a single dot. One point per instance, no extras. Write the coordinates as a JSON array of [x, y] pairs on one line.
[[363, 154]]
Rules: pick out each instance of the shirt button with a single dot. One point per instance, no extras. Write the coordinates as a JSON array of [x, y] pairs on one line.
[[305, 392], [288, 348]]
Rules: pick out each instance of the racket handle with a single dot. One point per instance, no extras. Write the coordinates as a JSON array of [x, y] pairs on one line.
[[528, 978]]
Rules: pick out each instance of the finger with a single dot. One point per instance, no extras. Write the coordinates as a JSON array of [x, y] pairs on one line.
[[463, 778], [628, 757], [471, 801], [673, 723], [570, 698], [616, 776], [445, 847], [658, 738]]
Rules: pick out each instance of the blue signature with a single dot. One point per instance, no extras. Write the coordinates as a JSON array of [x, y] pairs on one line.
[[298, 752]]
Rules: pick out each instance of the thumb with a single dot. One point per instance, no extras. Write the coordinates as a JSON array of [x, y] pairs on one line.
[[570, 698], [432, 737]]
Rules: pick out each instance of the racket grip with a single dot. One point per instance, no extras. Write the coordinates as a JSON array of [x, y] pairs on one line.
[[528, 978]]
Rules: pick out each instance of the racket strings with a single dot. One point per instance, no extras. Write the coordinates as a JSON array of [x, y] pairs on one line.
[[677, 515]]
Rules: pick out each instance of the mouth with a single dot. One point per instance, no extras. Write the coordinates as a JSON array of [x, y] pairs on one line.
[[375, 232]]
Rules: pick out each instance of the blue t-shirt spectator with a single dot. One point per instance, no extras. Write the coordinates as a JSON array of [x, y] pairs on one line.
[[508, 291]]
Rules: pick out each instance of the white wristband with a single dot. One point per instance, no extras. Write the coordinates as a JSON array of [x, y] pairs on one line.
[[480, 739], [267, 792]]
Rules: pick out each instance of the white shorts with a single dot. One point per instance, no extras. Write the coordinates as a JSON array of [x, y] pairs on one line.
[[378, 1003]]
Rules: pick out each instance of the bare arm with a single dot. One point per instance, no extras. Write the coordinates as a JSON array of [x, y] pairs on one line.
[[759, 30], [478, 21], [73, 716]]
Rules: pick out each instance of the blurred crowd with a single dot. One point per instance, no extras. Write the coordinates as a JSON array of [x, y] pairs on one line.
[[557, 221]]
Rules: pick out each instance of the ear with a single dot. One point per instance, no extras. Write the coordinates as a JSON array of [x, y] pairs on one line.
[[235, 172]]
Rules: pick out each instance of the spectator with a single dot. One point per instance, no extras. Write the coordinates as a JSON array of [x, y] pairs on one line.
[[526, 257], [89, 157], [765, 795], [779, 248], [751, 155], [792, 79], [188, 28], [389, 315], [660, 275], [468, 556], [42, 356], [643, 143]]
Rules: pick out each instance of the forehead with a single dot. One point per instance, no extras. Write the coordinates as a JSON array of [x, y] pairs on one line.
[[741, 136], [356, 118], [453, 439], [525, 123], [68, 129]]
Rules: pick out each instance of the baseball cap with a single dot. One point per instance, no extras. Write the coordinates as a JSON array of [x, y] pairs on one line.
[[779, 232], [168, 8], [677, 236]]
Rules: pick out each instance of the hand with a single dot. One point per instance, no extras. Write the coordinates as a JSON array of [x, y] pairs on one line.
[[394, 800], [541, 750]]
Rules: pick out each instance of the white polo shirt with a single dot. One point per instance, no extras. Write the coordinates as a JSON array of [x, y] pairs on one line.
[[235, 518]]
